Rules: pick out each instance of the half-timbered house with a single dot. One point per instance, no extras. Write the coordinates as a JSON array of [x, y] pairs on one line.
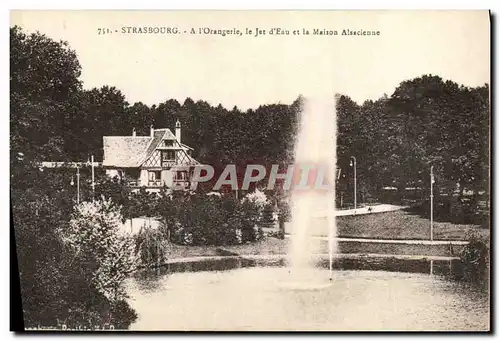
[[155, 161]]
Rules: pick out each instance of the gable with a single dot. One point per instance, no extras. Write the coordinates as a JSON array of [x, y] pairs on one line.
[[159, 157], [155, 142]]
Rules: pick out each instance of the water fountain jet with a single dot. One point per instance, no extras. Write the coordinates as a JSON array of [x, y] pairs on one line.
[[313, 208]]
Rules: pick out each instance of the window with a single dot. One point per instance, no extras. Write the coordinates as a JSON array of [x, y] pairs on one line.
[[181, 176], [168, 155], [168, 143], [154, 175]]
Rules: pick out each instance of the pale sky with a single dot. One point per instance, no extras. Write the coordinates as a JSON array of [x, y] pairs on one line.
[[249, 71]]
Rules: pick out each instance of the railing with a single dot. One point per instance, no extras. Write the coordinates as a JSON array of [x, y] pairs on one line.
[[159, 183]]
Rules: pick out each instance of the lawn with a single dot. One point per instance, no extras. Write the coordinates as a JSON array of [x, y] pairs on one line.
[[401, 225], [267, 246], [183, 251], [388, 225]]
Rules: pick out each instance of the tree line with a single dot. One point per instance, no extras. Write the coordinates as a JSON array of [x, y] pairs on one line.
[[426, 121]]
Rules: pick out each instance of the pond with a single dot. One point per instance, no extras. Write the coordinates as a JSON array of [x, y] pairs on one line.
[[234, 294]]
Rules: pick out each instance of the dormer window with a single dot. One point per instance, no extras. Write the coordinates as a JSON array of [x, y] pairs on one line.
[[168, 155]]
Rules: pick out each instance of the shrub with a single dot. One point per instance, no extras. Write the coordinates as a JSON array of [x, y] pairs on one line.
[[57, 278], [474, 258], [284, 210], [94, 231], [258, 198], [267, 218], [200, 219], [120, 313], [257, 212], [142, 203], [113, 188], [151, 246], [276, 234]]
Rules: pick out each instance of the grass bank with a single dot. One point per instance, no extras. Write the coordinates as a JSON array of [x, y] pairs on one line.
[[389, 225], [401, 225]]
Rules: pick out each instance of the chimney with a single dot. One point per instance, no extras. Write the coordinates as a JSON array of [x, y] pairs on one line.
[[178, 131], [133, 132], [152, 131]]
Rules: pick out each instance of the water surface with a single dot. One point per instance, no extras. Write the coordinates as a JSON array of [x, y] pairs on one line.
[[265, 299]]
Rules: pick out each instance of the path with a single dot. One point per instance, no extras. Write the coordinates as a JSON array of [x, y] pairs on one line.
[[360, 256], [395, 241], [369, 209]]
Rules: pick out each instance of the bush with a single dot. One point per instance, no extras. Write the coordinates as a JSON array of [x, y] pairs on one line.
[[121, 313], [454, 210], [151, 246], [113, 189], [142, 203], [94, 231], [276, 234], [200, 219], [267, 219], [259, 209], [474, 258], [58, 277]]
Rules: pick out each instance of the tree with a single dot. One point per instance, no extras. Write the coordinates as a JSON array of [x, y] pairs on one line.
[[426, 121], [444, 125], [151, 245], [94, 231], [44, 87], [104, 112], [56, 282], [140, 118]]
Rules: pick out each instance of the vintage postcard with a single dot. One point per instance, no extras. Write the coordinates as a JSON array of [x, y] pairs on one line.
[[250, 170]]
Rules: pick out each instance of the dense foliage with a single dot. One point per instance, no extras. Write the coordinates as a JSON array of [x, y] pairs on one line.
[[66, 279], [199, 219], [152, 246], [426, 121], [59, 285], [475, 260], [95, 232]]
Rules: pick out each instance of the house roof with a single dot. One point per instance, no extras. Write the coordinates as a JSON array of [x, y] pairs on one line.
[[133, 151], [192, 160], [125, 151], [186, 146], [159, 134]]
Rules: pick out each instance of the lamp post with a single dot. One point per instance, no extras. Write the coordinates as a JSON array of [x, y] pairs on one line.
[[93, 182], [353, 164], [77, 185], [432, 203]]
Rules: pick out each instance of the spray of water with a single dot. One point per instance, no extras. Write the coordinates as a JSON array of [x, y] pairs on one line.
[[313, 210]]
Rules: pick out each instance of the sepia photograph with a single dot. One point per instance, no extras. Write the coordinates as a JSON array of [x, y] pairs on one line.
[[250, 170]]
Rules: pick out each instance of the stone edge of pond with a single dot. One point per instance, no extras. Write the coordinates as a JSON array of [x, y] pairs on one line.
[[353, 256]]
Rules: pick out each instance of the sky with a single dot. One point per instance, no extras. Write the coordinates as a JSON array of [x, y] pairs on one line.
[[249, 71]]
